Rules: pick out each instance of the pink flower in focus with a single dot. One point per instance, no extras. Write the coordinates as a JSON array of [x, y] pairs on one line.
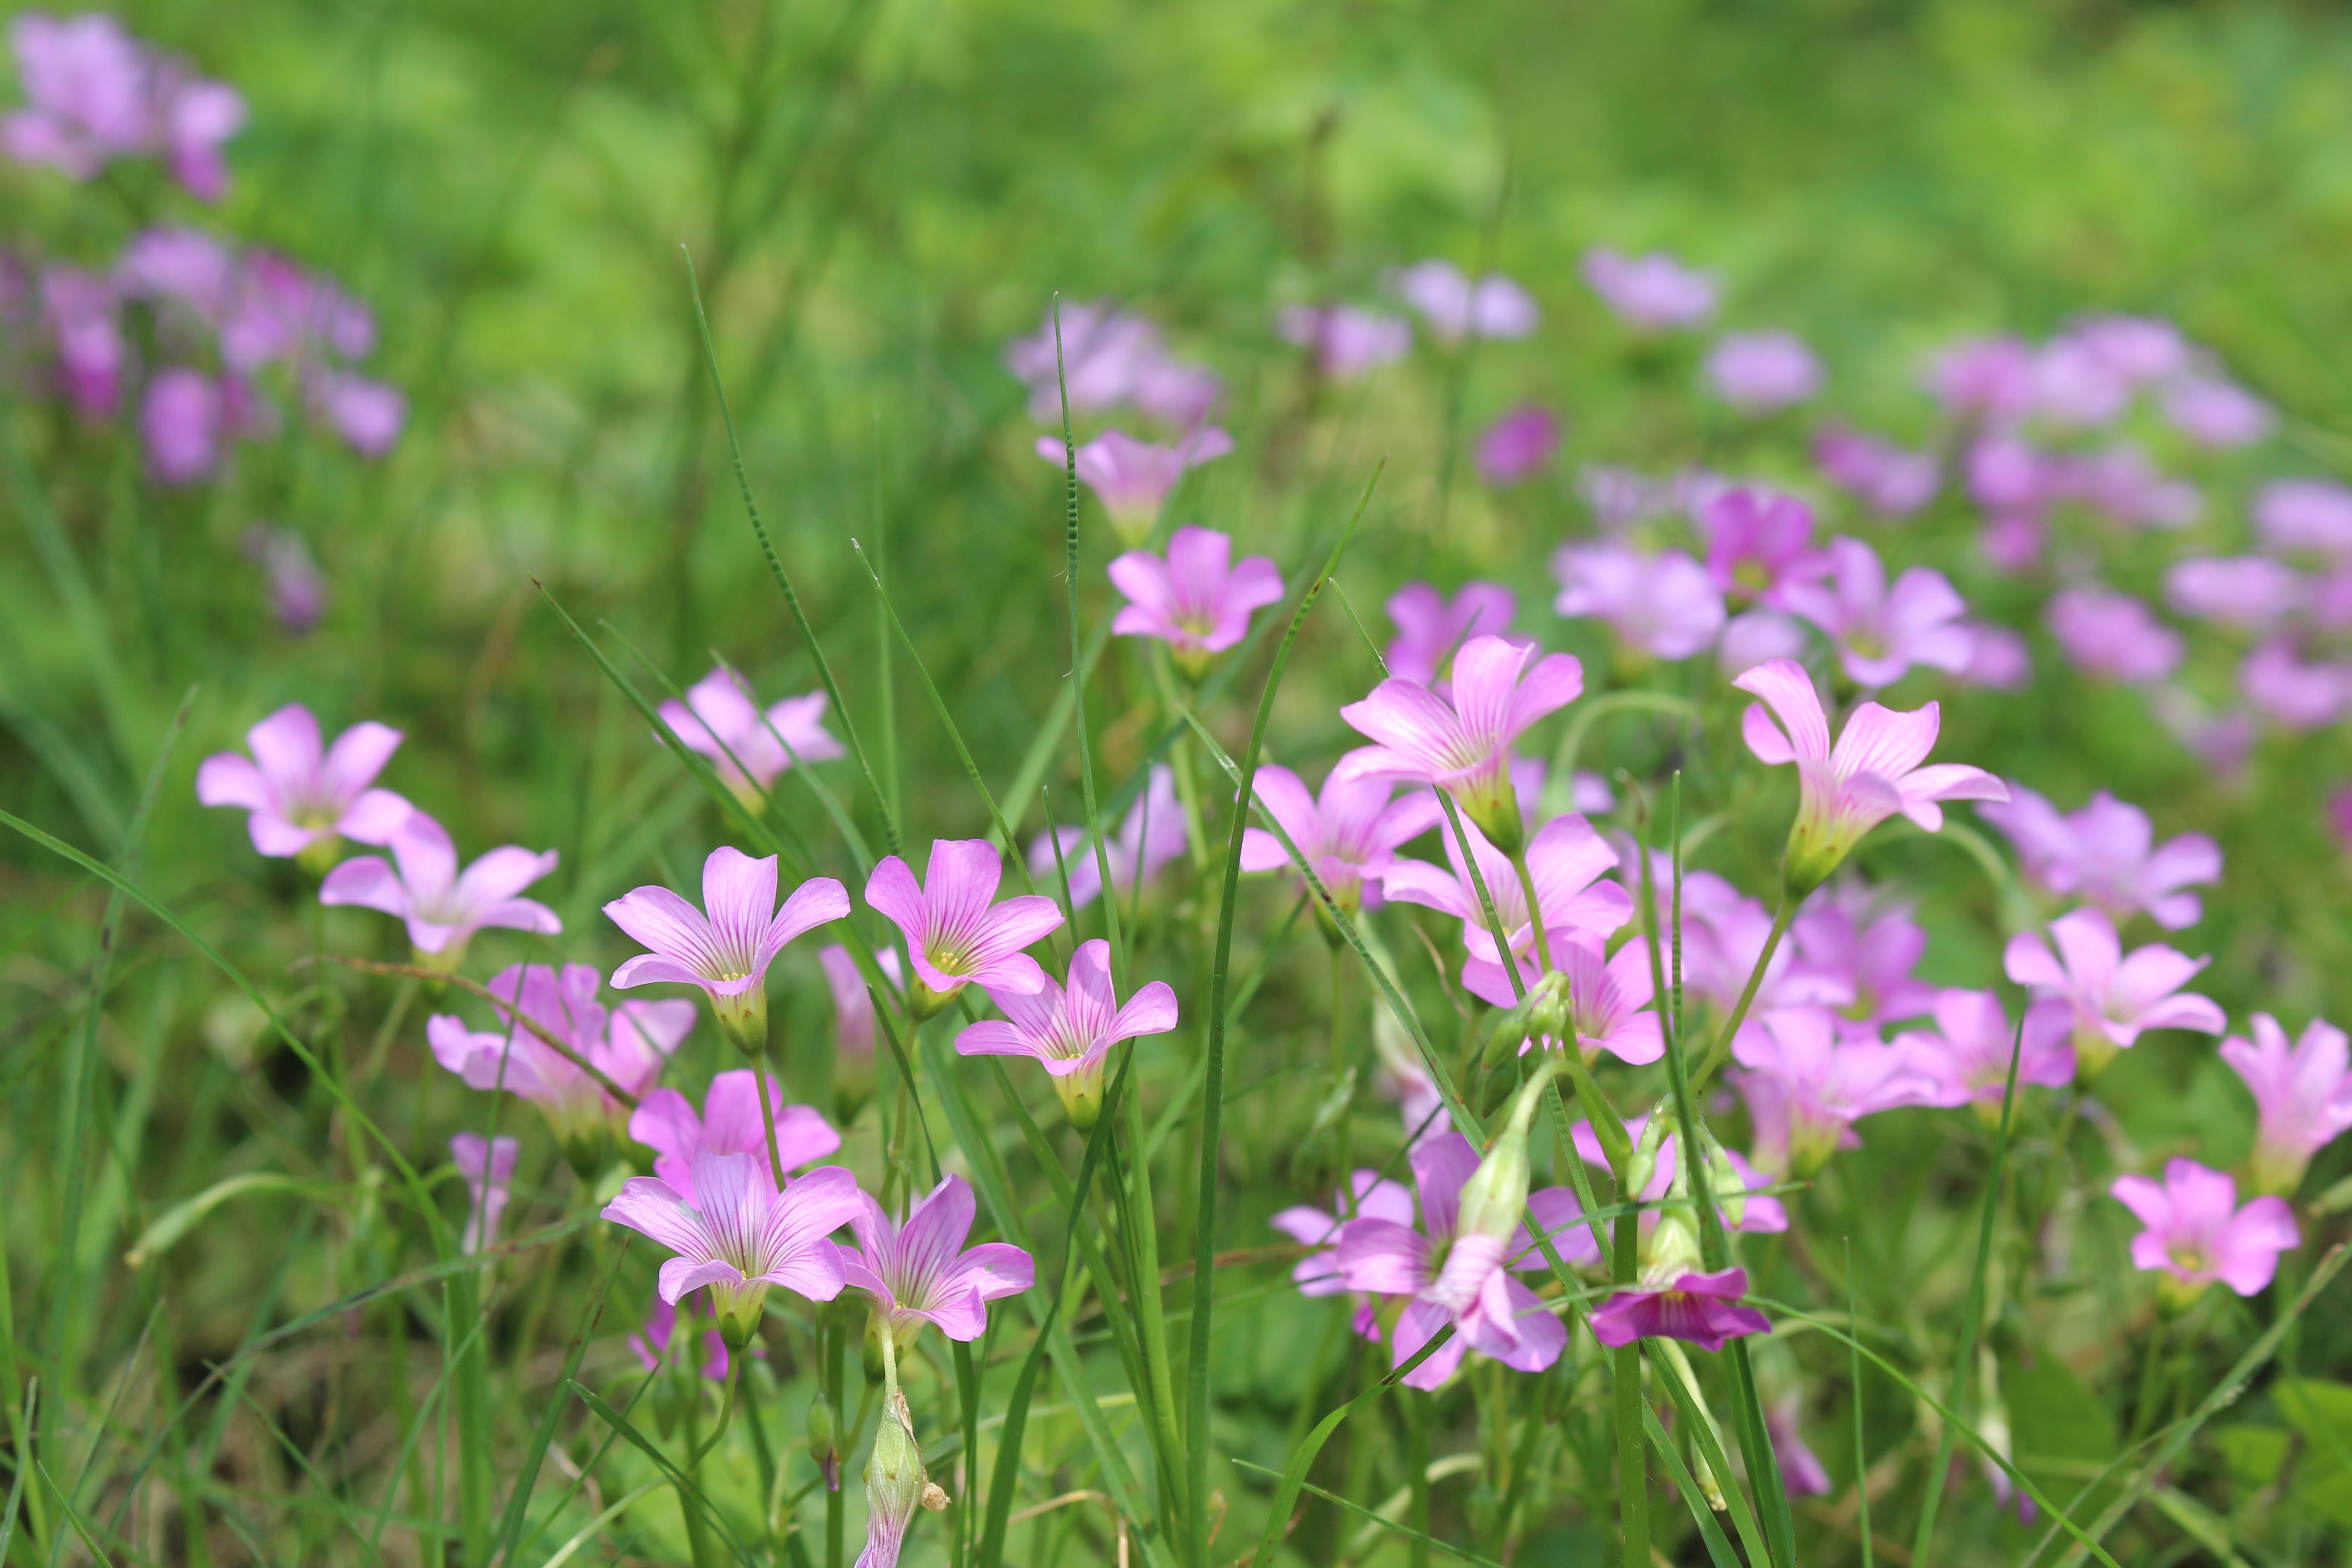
[[956, 931], [1651, 291], [1518, 445], [1429, 628], [2248, 593], [732, 1122], [2197, 1234], [1888, 479], [2106, 854], [2113, 636], [2115, 999], [920, 1271], [1348, 343], [1566, 859], [1759, 542], [1990, 379], [628, 1044], [740, 1236], [489, 1169], [1663, 604], [1349, 834], [1152, 834], [1702, 1309], [2218, 413], [1131, 479], [2291, 691], [1456, 308], [1882, 632], [1195, 599], [2313, 515], [725, 947], [300, 795], [2303, 1096], [747, 749], [1966, 1055], [1759, 373], [1805, 1089], [1318, 1273], [1609, 999], [1070, 1031], [181, 420]]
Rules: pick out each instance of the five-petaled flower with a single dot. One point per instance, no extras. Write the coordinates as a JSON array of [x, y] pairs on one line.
[[1197, 599], [305, 801], [920, 1271], [956, 934], [1132, 477], [1703, 1309], [2303, 1096], [444, 907], [1805, 1088], [1071, 1030], [749, 748], [725, 947], [2114, 997], [731, 1123], [2196, 1232], [1880, 632], [1348, 835]]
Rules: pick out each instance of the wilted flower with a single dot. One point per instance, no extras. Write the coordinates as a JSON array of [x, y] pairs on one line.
[[1888, 479], [1759, 373], [1967, 1054], [748, 749], [1071, 1031], [725, 951], [1350, 834], [1456, 308], [733, 1123], [1196, 598], [442, 906], [2104, 633], [2114, 999], [1759, 542], [304, 801], [1430, 627], [1882, 632], [921, 1272], [2197, 1234], [1348, 343], [1565, 858], [489, 1168], [1131, 479], [2105, 855], [1663, 604], [1152, 834], [1805, 1089], [1318, 1273], [956, 933], [1518, 445], [2303, 1095], [1702, 1309], [1650, 291]]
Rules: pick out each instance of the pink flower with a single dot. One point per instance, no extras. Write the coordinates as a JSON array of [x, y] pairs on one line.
[[2106, 854], [2074, 386], [1350, 834], [1867, 954], [719, 720], [1873, 774], [2222, 741], [368, 415], [1805, 1090], [1608, 999], [2006, 473], [1152, 834], [1885, 478], [1756, 637], [1131, 479], [921, 1272], [2113, 634], [727, 951], [1518, 445], [2137, 350], [300, 797], [1987, 378], [1663, 604], [1565, 858], [732, 1122], [2313, 515], [1760, 373], [2001, 660], [1723, 937], [1967, 1054], [852, 1004], [1759, 542], [1802, 1474], [1456, 308], [182, 421], [2121, 483], [93, 93], [1348, 343], [2012, 542], [2303, 1095], [1651, 291], [956, 933], [1462, 743], [489, 1169], [2250, 593], [79, 309], [1102, 351], [1882, 632], [1195, 599], [1429, 628], [1070, 1031], [1318, 1273], [2114, 999], [2197, 1234], [2216, 413], [1702, 1309], [2291, 691], [442, 906], [629, 1046], [740, 1236]]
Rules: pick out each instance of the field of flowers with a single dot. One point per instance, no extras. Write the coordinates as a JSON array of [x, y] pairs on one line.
[[976, 782]]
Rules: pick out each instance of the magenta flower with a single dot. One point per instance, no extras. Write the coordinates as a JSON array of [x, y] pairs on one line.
[[1888, 479], [2313, 516], [1651, 291], [1759, 542], [1868, 955], [2114, 999], [2111, 635], [921, 1272], [1990, 379], [740, 1236], [1701, 1308], [1348, 343], [651, 1343], [1318, 1273], [2247, 593], [1460, 743], [1504, 1320], [182, 420], [1456, 308], [2197, 1234], [1882, 632], [1430, 627], [1071, 1031], [1195, 599], [1131, 479], [93, 93], [1349, 835], [1663, 604], [2216, 413], [2291, 690], [1760, 373], [1967, 1054], [732, 1122], [1805, 1089], [1517, 446], [956, 933], [748, 749], [2105, 855], [1152, 834], [1608, 999], [303, 800], [2303, 1096], [1565, 858], [727, 951], [444, 907], [489, 1168], [1873, 774]]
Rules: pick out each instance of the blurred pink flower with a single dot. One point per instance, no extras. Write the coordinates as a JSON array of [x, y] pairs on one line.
[[93, 93], [298, 589], [2197, 1234], [1318, 1273], [2291, 691], [1651, 291], [2216, 413], [2222, 740], [2138, 350], [182, 422], [1703, 1309], [489, 1169], [2007, 473], [1518, 445], [2106, 854], [1868, 953], [2248, 592], [1990, 379], [852, 1004], [443, 907], [956, 931], [651, 1343], [1663, 604], [2303, 1096], [1430, 627], [1152, 834], [1805, 1088], [746, 746], [1348, 343], [1757, 636], [1609, 998], [368, 415], [918, 1271], [2012, 542], [1070, 1031], [2074, 385], [1967, 1054], [1456, 308], [1880, 632], [2113, 636], [1196, 598], [1802, 1474], [2115, 999], [1889, 479], [2121, 483], [80, 310], [629, 1044], [1131, 479], [2313, 515], [1349, 832], [299, 793], [1760, 542], [1999, 660], [1102, 352], [1758, 373], [732, 1122]]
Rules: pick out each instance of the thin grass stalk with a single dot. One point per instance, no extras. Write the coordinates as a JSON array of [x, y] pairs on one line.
[[1718, 1549], [518, 1499], [1860, 1449], [1294, 1474], [1417, 1541], [1686, 1399]]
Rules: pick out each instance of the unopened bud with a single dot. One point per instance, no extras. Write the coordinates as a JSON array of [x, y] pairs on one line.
[[743, 1018], [895, 1482], [1724, 1184], [821, 1440], [1642, 1165]]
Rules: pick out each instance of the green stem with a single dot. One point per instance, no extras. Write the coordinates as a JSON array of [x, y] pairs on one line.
[[1416, 1428], [1721, 1052], [1535, 910], [829, 1355]]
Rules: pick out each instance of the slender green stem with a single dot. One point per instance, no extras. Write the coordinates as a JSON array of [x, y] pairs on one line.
[[1534, 911], [1721, 1051], [829, 1358], [1416, 1426], [1861, 1447]]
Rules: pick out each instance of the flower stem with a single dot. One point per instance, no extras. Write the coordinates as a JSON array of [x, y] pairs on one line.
[[1721, 1051], [1535, 910]]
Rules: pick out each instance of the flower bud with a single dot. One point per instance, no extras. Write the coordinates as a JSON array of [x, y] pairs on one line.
[[894, 1484], [1496, 810], [1724, 1182], [1490, 1205], [1641, 1165], [820, 1441]]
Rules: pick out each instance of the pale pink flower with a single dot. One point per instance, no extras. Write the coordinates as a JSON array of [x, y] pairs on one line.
[[1889, 479], [1152, 834], [1348, 343], [1456, 308], [1759, 542], [80, 312], [1848, 941], [1760, 373], [2000, 659], [2138, 350], [2123, 484], [368, 415], [2114, 999], [489, 1168], [2313, 515], [1756, 637], [2291, 690], [2197, 1234], [1101, 350], [2222, 740], [1430, 627], [918, 1271], [747, 749], [1651, 291], [1802, 1474], [1349, 834], [1318, 1273], [1723, 934], [1196, 599], [1070, 1031], [1967, 1054], [2216, 413], [1518, 445], [298, 589], [629, 1045], [725, 947], [2006, 473], [183, 422], [2076, 387], [1663, 604], [2106, 854], [2248, 593], [2303, 1095], [852, 1004], [1805, 1089], [1880, 632], [1984, 378], [740, 1236], [956, 931], [1566, 857], [444, 907], [732, 1122], [2012, 542], [1130, 478], [93, 93], [300, 795], [1703, 1309]]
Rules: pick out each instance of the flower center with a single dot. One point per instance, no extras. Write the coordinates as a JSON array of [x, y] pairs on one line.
[[2189, 1257]]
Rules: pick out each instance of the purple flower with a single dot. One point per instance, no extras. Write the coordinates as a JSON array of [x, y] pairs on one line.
[[2111, 635], [2114, 999], [733, 1123], [1349, 835], [1702, 1309], [489, 1169], [182, 421], [1873, 772], [444, 907], [1518, 445], [1456, 308], [1318, 1273], [1723, 937], [2076, 387], [2250, 593], [1760, 542], [303, 800], [2313, 515], [2291, 691], [1565, 858], [1195, 599], [93, 93], [740, 1236], [2106, 854], [1152, 834], [1757, 636], [852, 1007], [1663, 604], [727, 951], [1462, 743], [1990, 379], [1102, 352], [956, 933], [2303, 1096], [1760, 373], [1966, 1055], [1131, 479], [1650, 291], [1888, 479], [651, 1343], [2197, 1234], [368, 415], [1805, 1089], [2000, 659], [1802, 1474], [1070, 1031], [2121, 483], [79, 311], [2216, 413], [921, 1272], [1608, 999], [2007, 473], [1882, 632], [2012, 542], [1348, 343], [748, 749], [1430, 627], [1505, 1319], [629, 1046], [298, 589], [1867, 955]]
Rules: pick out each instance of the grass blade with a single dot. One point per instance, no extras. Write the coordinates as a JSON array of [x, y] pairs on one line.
[[1718, 1549], [676, 1478], [1381, 1520], [1294, 1474], [518, 1499]]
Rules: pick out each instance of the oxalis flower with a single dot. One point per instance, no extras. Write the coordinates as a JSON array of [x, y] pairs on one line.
[[2114, 999], [1880, 632], [1565, 858], [2197, 1234], [1349, 834], [2106, 854], [747, 748], [1132, 477], [1873, 774], [1462, 744], [489, 1168], [305, 801], [895, 1484], [853, 1040], [1430, 626], [2303, 1095], [1702, 1309], [1196, 599], [1966, 1055], [920, 1271], [1805, 1090], [443, 906], [1318, 1273], [726, 949], [1071, 1031], [1602, 1004], [956, 934], [1152, 834], [731, 1123], [740, 1236]]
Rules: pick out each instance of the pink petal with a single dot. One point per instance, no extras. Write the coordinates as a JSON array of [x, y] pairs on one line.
[[228, 778], [286, 745], [1788, 692]]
